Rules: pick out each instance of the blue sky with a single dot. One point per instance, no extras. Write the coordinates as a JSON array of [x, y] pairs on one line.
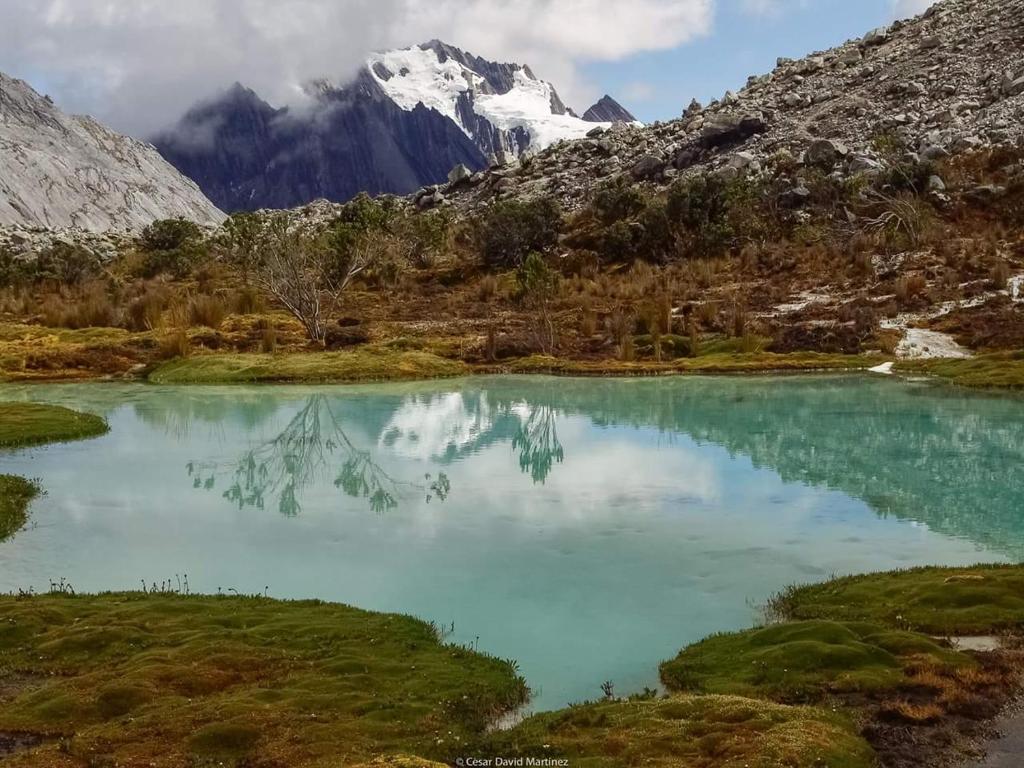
[[742, 42]]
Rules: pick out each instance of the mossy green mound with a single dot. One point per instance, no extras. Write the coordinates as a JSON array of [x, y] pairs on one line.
[[688, 731], [366, 364], [801, 661], [27, 424], [16, 494], [1002, 370], [134, 679], [939, 601]]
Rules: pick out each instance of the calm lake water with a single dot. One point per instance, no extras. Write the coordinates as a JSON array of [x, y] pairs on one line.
[[587, 528]]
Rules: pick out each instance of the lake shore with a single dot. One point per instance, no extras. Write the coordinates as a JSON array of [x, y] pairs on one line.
[[229, 677]]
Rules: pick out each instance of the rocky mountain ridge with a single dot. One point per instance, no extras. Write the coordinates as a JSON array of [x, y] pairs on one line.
[[947, 81], [64, 171], [405, 120]]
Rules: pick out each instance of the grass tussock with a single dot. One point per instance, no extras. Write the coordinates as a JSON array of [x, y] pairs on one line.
[[364, 364], [184, 680], [27, 424]]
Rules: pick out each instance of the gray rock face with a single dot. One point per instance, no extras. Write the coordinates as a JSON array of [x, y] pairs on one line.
[[247, 155], [64, 171]]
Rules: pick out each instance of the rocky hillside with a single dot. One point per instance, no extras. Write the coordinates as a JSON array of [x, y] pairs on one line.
[[948, 81], [406, 120], [63, 171]]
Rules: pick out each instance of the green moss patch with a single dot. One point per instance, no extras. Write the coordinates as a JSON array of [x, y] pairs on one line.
[[688, 731], [129, 679], [940, 601], [27, 424], [1003, 370], [801, 661], [366, 364]]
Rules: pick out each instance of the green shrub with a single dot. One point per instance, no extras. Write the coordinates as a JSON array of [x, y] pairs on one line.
[[170, 235], [66, 264], [510, 230], [617, 201], [698, 208], [172, 246]]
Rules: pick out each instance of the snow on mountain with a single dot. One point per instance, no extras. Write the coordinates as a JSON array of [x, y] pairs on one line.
[[509, 97], [404, 121], [59, 170]]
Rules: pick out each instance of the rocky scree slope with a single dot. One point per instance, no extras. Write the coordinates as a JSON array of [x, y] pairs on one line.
[[407, 118], [948, 81], [64, 171]]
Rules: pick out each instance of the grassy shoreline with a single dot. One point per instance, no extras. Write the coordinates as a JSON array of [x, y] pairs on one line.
[[384, 365], [170, 678], [996, 371]]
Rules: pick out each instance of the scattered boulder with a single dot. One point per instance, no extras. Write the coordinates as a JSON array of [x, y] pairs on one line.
[[724, 130], [459, 175], [647, 167], [825, 154]]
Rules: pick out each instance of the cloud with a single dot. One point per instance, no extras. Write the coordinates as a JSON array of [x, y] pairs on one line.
[[904, 9], [139, 64]]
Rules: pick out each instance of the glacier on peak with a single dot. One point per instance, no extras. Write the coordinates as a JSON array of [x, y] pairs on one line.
[[526, 112]]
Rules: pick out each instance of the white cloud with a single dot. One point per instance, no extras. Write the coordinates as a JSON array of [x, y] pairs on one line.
[[904, 9], [139, 64]]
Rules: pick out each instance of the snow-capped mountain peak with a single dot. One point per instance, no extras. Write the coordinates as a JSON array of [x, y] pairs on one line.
[[505, 108]]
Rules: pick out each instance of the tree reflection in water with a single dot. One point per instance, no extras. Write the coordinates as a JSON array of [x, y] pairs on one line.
[[311, 446], [537, 442]]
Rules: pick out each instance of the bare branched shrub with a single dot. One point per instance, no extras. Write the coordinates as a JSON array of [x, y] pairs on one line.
[[902, 219], [307, 274]]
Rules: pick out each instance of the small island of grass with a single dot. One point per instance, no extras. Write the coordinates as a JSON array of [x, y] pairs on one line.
[[24, 425]]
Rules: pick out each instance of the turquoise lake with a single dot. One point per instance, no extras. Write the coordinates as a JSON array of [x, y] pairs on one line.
[[587, 528]]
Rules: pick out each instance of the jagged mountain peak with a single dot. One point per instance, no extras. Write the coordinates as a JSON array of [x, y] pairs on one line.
[[608, 110], [403, 121], [64, 171]]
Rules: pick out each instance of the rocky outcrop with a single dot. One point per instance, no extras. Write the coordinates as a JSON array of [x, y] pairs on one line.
[[62, 171], [948, 81]]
